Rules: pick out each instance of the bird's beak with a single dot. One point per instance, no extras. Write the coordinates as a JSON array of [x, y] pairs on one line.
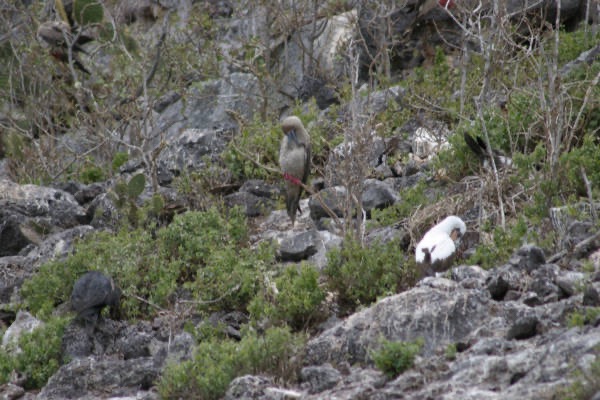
[[292, 135], [455, 235]]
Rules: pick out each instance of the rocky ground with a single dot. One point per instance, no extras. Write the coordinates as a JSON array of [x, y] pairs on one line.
[[500, 333]]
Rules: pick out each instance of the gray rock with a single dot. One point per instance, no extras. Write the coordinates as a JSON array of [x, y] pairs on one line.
[[333, 197], [250, 387], [591, 297], [528, 258], [261, 188], [387, 234], [366, 150], [58, 246], [188, 149], [58, 206], [320, 378], [569, 281], [469, 272], [358, 383], [299, 246], [252, 205], [524, 328], [24, 323], [405, 182], [11, 391], [102, 377], [13, 271], [586, 57], [438, 316], [104, 212], [377, 195]]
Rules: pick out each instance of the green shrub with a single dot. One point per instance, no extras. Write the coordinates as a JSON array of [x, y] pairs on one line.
[[583, 317], [450, 353], [584, 156], [216, 362], [41, 354], [504, 243], [206, 252], [359, 274], [585, 385], [411, 199], [91, 173], [297, 302], [118, 160], [130, 257], [393, 358]]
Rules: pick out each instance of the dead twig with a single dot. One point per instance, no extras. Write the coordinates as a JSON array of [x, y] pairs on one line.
[[588, 188]]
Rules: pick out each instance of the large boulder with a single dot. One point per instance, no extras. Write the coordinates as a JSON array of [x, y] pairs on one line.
[[28, 213]]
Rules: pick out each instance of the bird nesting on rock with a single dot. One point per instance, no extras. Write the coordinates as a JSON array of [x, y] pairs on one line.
[[436, 251], [61, 39], [294, 159], [91, 293]]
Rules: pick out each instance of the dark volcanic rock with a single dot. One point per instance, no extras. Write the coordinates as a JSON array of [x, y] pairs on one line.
[[103, 377], [252, 204], [299, 247], [523, 328]]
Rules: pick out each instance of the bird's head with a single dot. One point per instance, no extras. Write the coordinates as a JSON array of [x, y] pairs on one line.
[[454, 227]]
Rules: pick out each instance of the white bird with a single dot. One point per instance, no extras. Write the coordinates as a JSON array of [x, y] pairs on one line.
[[435, 252]]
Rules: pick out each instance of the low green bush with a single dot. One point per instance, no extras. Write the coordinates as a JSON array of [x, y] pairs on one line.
[[504, 243], [205, 252], [359, 274], [585, 384], [583, 317], [216, 362], [393, 358], [40, 355], [297, 302]]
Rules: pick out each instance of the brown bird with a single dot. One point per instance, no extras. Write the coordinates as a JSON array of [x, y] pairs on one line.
[[60, 37], [294, 159]]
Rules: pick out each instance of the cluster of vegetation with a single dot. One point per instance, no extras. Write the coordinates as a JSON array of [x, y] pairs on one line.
[[584, 317], [359, 274], [217, 361], [37, 355], [586, 383], [206, 256], [394, 357]]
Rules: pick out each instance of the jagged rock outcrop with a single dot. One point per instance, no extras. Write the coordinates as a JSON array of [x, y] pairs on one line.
[[28, 213]]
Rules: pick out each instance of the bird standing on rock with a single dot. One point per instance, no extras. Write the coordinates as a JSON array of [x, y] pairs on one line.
[[91, 293], [294, 160], [436, 251]]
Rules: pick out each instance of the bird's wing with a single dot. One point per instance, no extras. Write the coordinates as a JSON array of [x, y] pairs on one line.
[[443, 248], [307, 156], [475, 145], [438, 245]]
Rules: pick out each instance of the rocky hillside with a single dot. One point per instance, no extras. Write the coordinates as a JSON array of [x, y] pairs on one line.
[[141, 139]]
